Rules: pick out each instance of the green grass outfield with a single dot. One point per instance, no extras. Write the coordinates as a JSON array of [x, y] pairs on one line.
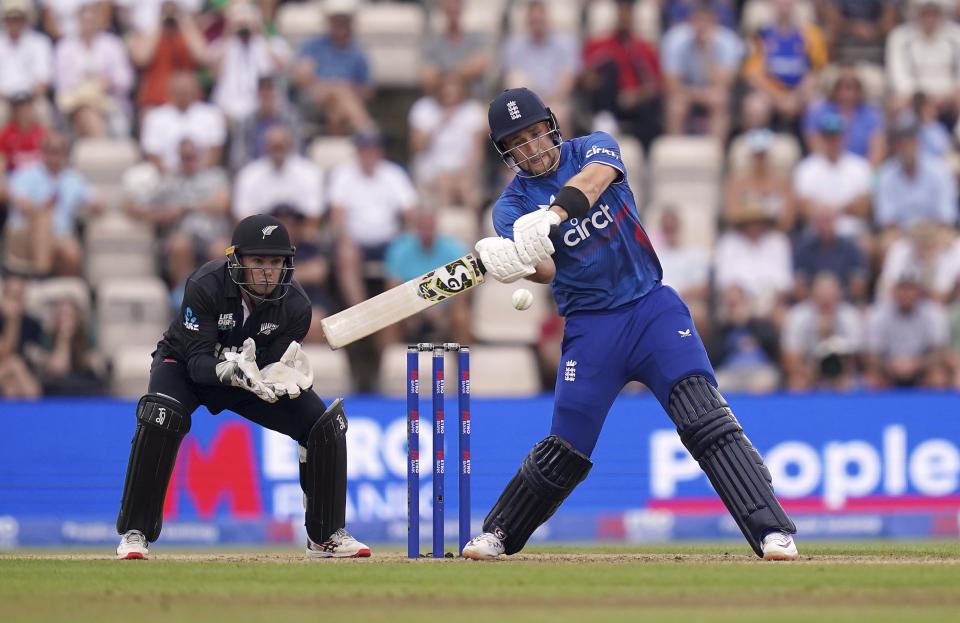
[[850, 582]]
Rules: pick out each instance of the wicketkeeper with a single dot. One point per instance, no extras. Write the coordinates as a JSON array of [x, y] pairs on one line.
[[236, 346]]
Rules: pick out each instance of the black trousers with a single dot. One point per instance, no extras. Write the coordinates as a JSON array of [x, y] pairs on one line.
[[293, 418]]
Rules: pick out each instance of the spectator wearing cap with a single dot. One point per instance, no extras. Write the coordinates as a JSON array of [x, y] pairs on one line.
[[908, 341], [923, 55], [822, 339], [371, 201], [240, 58], [700, 60], [856, 29], [784, 64], [175, 44], [186, 116], [455, 51], [248, 138], [279, 176], [912, 186], [26, 56], [755, 256], [93, 78], [543, 60], [837, 179], [622, 77], [414, 253], [819, 249], [48, 198], [760, 186], [334, 73], [21, 139], [864, 123]]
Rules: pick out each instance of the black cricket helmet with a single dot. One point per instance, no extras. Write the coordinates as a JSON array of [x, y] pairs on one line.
[[261, 234], [514, 110]]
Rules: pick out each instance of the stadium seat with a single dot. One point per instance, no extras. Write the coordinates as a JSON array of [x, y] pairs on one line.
[[633, 161], [329, 151], [686, 159], [131, 370], [459, 223], [390, 33], [117, 246], [41, 297], [298, 21], [564, 17], [495, 320], [784, 153], [131, 312], [872, 76], [494, 371], [331, 370], [102, 162], [759, 13], [602, 17], [483, 16], [699, 221]]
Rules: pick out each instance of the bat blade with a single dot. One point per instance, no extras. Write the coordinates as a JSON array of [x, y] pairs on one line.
[[403, 301]]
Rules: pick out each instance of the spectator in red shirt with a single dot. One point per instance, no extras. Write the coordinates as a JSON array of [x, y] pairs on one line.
[[622, 76], [21, 139]]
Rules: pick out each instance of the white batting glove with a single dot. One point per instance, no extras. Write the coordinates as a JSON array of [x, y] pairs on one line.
[[531, 232], [499, 257], [240, 370], [291, 375]]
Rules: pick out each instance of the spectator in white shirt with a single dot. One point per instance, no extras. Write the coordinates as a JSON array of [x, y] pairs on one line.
[[756, 257], [279, 177], [186, 116], [93, 78], [836, 179], [240, 58], [370, 200], [26, 56], [923, 55], [448, 134]]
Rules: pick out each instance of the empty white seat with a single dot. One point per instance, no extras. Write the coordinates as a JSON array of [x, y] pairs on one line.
[[103, 160], [495, 320], [686, 158], [459, 223], [298, 21], [563, 15], [131, 312], [331, 371], [41, 297], [118, 246], [131, 370], [483, 16], [329, 151], [602, 19], [503, 371], [758, 14]]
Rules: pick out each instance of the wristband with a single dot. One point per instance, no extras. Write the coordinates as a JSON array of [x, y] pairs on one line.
[[573, 202]]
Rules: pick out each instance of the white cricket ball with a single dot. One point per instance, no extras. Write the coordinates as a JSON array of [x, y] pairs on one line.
[[522, 299]]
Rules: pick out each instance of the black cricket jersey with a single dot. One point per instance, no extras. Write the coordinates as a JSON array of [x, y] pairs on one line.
[[211, 322]]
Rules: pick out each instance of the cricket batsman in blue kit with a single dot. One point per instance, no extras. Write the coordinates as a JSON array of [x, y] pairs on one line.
[[569, 218]]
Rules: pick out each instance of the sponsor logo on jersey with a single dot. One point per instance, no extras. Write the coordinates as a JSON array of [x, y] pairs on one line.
[[584, 227], [513, 110], [446, 281], [226, 322], [190, 320], [570, 371], [267, 328], [597, 150], [268, 230]]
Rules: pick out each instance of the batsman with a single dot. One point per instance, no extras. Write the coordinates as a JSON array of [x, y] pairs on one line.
[[568, 218], [236, 346]]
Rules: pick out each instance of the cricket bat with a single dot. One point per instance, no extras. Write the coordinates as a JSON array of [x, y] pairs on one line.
[[403, 301]]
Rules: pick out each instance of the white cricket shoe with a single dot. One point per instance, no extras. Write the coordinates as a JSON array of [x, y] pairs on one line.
[[339, 545], [133, 546], [779, 546], [484, 547]]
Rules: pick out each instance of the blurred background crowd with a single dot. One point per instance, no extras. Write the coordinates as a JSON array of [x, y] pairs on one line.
[[795, 163]]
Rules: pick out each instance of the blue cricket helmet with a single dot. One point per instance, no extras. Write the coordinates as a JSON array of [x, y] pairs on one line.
[[514, 110]]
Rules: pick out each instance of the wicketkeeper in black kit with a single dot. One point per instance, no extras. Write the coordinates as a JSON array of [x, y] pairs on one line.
[[236, 346]]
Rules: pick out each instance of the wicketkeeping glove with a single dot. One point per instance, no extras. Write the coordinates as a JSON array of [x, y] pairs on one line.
[[291, 375], [499, 257], [531, 233], [240, 370]]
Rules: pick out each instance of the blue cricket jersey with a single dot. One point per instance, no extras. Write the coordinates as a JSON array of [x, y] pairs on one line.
[[604, 260]]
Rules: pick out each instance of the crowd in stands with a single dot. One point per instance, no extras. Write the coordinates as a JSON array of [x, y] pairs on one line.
[[795, 163]]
